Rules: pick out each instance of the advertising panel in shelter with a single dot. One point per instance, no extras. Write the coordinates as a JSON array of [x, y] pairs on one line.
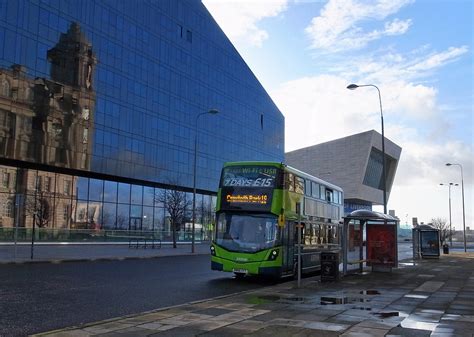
[[429, 243], [381, 245]]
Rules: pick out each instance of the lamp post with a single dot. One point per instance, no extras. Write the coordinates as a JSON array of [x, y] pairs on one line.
[[211, 112], [463, 212], [450, 222], [384, 182]]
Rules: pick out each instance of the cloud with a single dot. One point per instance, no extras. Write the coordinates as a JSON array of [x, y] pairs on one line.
[[397, 27], [389, 67], [323, 100], [439, 59], [336, 28], [320, 108], [239, 18]]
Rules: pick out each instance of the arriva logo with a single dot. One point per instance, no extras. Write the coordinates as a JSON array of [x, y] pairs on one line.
[[241, 259]]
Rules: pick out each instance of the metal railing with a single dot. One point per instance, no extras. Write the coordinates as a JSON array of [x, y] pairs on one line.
[[7, 235]]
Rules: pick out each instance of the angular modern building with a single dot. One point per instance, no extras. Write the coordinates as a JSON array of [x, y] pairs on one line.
[[101, 103], [353, 163]]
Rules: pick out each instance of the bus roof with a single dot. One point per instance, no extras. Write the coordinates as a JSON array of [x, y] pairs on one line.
[[288, 168]]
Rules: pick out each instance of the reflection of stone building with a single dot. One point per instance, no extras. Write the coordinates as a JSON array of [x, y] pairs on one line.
[[47, 122]]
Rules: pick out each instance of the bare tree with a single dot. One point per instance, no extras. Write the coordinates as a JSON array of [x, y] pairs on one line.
[[176, 204], [443, 227], [37, 206]]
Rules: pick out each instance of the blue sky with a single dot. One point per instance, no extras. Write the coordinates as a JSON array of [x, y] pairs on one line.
[[420, 55]]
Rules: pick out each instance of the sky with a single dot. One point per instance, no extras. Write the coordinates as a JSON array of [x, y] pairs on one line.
[[418, 53]]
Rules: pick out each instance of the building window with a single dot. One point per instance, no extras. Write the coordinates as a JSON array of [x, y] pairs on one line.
[[6, 179], [374, 170], [67, 187], [189, 36], [66, 212], [5, 88], [8, 209], [82, 214], [38, 183], [47, 184], [4, 118]]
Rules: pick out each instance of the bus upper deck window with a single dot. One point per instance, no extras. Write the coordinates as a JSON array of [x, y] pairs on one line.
[[290, 182]]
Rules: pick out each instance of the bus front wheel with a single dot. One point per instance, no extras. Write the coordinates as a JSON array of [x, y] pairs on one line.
[[239, 276]]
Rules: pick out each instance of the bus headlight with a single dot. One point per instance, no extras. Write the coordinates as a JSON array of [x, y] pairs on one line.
[[213, 251], [273, 255]]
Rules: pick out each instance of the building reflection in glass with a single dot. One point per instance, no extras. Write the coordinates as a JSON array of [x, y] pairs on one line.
[[55, 201], [51, 122]]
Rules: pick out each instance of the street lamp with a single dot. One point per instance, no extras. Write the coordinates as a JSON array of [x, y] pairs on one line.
[[463, 212], [450, 222], [384, 183], [211, 112]]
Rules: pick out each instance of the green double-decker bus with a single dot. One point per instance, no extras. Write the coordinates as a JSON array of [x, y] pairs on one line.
[[259, 208]]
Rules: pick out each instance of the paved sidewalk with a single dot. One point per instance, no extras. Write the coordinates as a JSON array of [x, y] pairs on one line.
[[91, 251], [427, 298]]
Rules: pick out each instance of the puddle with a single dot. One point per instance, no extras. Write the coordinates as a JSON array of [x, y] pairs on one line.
[[263, 299], [388, 314], [412, 324], [334, 300], [406, 264], [342, 300], [369, 292], [294, 299], [362, 308], [416, 296]]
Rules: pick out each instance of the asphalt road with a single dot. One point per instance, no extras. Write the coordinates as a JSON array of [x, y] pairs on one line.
[[41, 297]]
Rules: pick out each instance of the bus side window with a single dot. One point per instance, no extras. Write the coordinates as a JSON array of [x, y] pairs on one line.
[[307, 187], [290, 182], [299, 185]]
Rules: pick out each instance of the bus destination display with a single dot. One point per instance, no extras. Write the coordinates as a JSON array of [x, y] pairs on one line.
[[262, 176], [247, 198]]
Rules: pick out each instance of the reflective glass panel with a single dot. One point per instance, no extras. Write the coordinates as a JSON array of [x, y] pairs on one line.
[[137, 194], [124, 193], [158, 219], [148, 196], [147, 218], [110, 191], [96, 189], [109, 215], [82, 188], [123, 216]]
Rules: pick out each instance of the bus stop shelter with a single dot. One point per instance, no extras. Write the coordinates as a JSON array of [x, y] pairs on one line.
[[377, 232], [425, 242]]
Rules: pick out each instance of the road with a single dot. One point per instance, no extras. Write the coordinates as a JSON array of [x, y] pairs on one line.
[[42, 297]]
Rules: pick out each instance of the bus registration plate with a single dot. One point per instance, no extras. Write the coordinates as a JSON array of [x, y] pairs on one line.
[[240, 271]]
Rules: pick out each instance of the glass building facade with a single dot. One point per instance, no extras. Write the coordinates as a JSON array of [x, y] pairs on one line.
[[99, 107]]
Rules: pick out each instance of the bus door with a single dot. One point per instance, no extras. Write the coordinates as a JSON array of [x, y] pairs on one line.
[[288, 247]]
